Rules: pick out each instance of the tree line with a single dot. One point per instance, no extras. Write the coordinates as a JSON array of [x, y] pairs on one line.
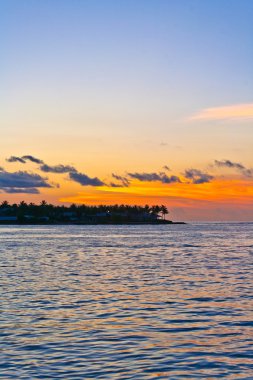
[[117, 212]]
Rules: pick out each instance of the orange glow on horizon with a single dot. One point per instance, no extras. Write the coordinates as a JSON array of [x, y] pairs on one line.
[[225, 197], [221, 191]]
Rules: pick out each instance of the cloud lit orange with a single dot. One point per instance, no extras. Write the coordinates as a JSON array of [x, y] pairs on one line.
[[236, 111]]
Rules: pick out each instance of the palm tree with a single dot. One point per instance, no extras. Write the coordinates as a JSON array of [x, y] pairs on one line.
[[4, 204], [156, 209], [23, 205], [164, 211], [147, 209]]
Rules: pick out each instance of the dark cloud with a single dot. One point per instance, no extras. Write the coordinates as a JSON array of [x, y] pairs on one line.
[[21, 180], [15, 190], [113, 184], [124, 181], [229, 164], [197, 176], [74, 175], [151, 177], [165, 167], [32, 159], [85, 180], [16, 159], [171, 179], [234, 165], [248, 173], [23, 159], [58, 169]]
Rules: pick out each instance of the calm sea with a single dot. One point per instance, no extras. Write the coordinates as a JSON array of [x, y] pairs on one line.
[[127, 302]]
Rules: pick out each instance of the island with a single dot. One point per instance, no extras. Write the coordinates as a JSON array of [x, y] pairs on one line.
[[45, 213]]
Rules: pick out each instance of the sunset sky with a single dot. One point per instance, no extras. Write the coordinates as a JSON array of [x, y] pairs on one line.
[[131, 101]]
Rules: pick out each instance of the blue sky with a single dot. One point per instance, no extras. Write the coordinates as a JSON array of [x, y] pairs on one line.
[[199, 52]]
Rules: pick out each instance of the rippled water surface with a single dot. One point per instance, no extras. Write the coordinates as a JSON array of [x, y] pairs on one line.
[[126, 302]]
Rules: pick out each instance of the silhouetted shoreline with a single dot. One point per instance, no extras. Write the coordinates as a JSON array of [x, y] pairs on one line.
[[48, 214], [87, 223]]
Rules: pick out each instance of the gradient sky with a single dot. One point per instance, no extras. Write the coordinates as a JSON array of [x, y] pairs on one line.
[[127, 87]]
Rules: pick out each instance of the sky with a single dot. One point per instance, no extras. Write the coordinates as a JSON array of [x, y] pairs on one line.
[[148, 101]]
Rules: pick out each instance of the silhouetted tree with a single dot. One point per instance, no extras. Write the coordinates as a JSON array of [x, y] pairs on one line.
[[83, 213], [164, 211]]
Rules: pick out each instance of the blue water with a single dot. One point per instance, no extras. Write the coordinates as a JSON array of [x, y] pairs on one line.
[[127, 302]]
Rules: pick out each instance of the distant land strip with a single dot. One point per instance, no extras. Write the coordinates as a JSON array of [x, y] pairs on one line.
[[45, 213]]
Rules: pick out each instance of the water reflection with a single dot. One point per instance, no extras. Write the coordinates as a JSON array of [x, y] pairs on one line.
[[126, 302]]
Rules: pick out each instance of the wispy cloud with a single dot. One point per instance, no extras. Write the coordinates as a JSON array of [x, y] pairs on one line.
[[33, 159], [231, 112], [85, 180], [234, 165], [74, 175], [150, 177], [22, 181], [16, 159], [13, 190], [24, 159], [229, 164], [197, 176], [124, 182], [57, 169], [113, 184]]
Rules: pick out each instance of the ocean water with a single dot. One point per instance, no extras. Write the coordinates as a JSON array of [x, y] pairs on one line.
[[127, 302]]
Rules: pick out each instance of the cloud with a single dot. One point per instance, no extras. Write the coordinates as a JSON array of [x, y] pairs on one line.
[[85, 180], [74, 175], [229, 164], [11, 182], [165, 167], [150, 177], [113, 184], [58, 169], [32, 159], [124, 181], [13, 190], [248, 173], [16, 159], [234, 165], [24, 159], [197, 176], [232, 112]]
